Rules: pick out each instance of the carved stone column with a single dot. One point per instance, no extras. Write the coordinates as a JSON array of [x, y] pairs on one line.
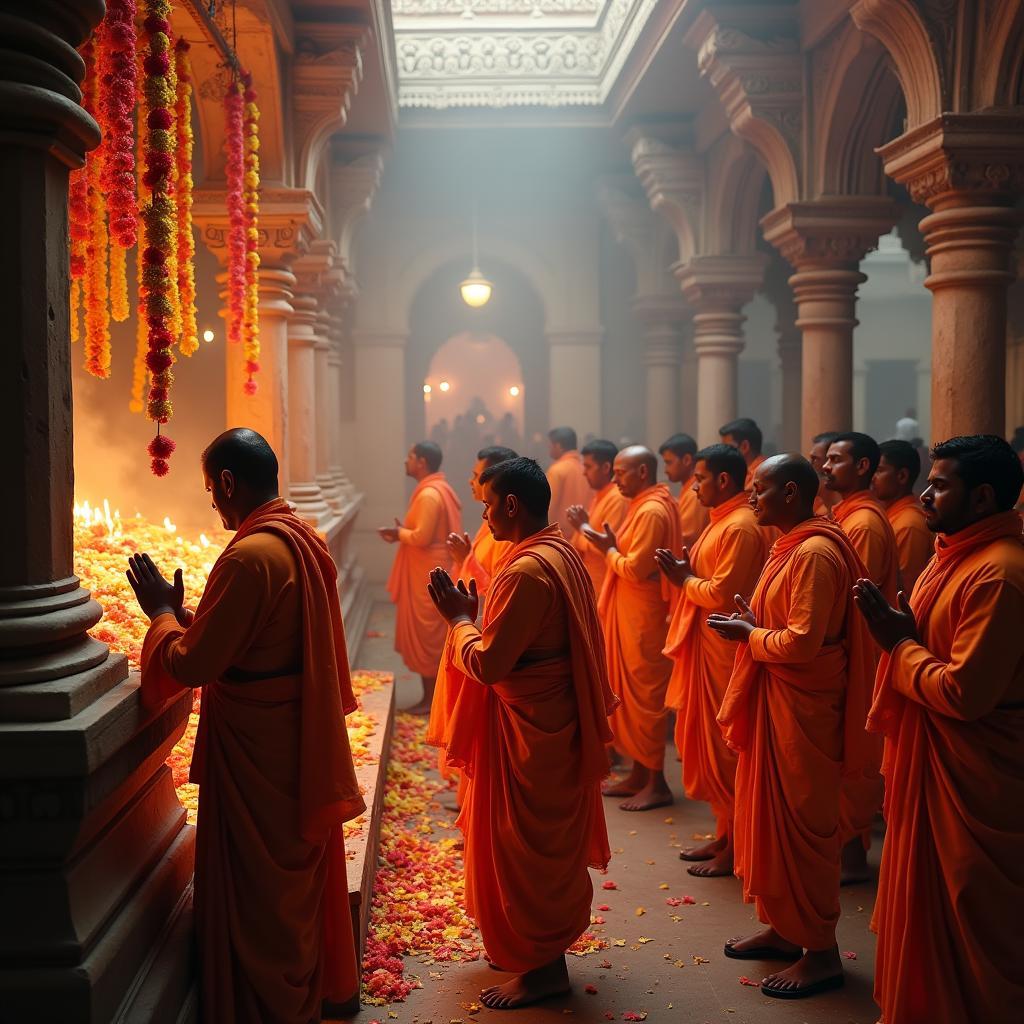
[[95, 856], [717, 288], [825, 241], [575, 376], [780, 295], [661, 317], [968, 169]]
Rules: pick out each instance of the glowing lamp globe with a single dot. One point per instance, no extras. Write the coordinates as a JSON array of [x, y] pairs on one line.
[[475, 290]]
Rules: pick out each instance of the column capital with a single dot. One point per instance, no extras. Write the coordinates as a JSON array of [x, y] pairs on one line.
[[326, 74], [668, 309], [721, 282], [751, 58], [290, 219], [639, 230], [834, 232], [353, 186], [673, 179], [977, 157], [319, 272]]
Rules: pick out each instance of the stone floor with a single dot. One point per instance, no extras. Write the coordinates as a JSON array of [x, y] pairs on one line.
[[660, 970]]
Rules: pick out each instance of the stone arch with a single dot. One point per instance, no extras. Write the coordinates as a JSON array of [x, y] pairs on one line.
[[901, 30], [860, 109], [1001, 80], [736, 180]]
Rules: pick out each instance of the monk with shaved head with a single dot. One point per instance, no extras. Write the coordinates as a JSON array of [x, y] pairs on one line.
[[634, 606], [276, 782], [802, 653]]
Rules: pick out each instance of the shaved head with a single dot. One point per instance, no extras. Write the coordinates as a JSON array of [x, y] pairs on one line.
[[635, 469], [637, 455], [795, 469], [248, 457]]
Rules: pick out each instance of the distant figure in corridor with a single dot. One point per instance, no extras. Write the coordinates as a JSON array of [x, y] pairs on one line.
[[893, 485], [849, 468], [433, 515], [606, 506], [529, 729], [804, 654], [272, 760], [565, 477], [816, 456], [634, 605], [678, 454], [726, 560], [950, 702], [745, 435]]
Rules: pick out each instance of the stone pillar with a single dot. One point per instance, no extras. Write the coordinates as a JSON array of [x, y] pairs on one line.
[[95, 856], [303, 488], [575, 380], [780, 295], [825, 241], [342, 484], [326, 412], [968, 169], [266, 412], [717, 288], [660, 317]]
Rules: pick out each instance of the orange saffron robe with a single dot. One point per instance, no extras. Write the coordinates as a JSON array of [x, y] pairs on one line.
[[784, 712], [693, 516], [864, 521], [915, 543], [568, 487], [274, 769], [634, 606], [529, 727], [433, 513], [951, 889], [606, 506], [726, 560]]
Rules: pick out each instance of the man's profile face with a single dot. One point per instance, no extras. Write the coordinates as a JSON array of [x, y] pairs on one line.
[[841, 469], [888, 483], [474, 479], [412, 461], [219, 498], [816, 457], [629, 476], [495, 512], [744, 446], [677, 467], [705, 486], [554, 449], [597, 474], [945, 499], [768, 498]]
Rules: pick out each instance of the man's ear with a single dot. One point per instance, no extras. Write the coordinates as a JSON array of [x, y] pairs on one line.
[[227, 481]]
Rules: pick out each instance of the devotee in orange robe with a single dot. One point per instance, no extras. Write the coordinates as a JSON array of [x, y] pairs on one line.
[[893, 485], [803, 656], [530, 729], [726, 560], [478, 559], [678, 454], [433, 515], [606, 506], [634, 605], [745, 435], [276, 781], [817, 455], [849, 466], [950, 702], [565, 476]]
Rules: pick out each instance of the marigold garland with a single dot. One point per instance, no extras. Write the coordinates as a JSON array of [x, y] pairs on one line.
[[160, 226], [139, 372], [237, 225], [119, 309], [76, 301], [189, 342], [251, 200]]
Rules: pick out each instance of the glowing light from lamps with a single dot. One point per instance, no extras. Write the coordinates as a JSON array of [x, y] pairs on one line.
[[481, 418], [514, 391], [476, 289], [445, 386], [427, 389], [208, 335]]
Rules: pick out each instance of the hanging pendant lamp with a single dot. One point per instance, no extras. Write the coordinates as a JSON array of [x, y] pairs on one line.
[[475, 289]]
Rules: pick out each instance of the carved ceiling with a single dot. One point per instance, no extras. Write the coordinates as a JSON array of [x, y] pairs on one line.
[[513, 53]]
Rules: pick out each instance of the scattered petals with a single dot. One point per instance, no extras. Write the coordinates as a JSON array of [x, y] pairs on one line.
[[699, 960], [746, 981], [664, 885], [849, 954], [609, 885], [634, 1015], [604, 907], [591, 990], [640, 911]]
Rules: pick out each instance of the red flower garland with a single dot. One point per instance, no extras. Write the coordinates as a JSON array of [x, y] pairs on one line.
[[189, 342], [235, 172], [251, 198], [160, 221]]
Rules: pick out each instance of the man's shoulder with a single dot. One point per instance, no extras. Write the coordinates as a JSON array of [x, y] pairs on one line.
[[1000, 561], [262, 550]]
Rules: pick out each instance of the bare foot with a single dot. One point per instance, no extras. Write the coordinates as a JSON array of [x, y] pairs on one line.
[[706, 851], [764, 945], [854, 865], [531, 987], [655, 794], [816, 971], [714, 868], [628, 786]]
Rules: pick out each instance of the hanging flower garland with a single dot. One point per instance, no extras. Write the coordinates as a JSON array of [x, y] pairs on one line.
[[139, 371], [189, 342], [251, 201], [78, 229], [97, 311], [237, 224], [160, 226], [117, 92]]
